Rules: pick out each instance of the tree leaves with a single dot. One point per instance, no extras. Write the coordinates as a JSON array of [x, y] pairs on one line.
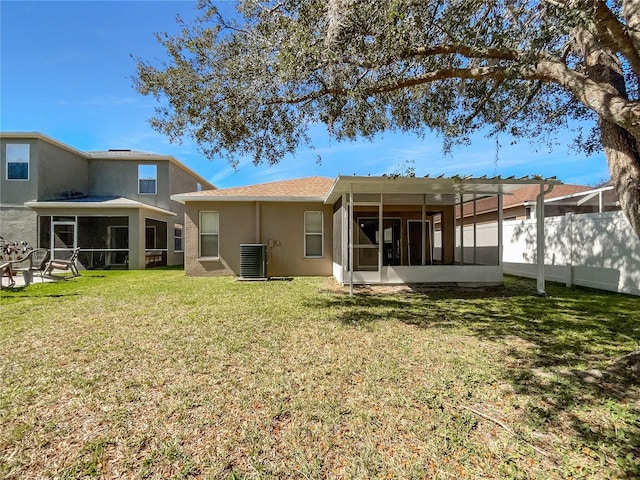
[[251, 84]]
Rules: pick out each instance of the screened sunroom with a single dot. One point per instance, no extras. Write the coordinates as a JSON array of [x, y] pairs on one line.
[[111, 233], [393, 230]]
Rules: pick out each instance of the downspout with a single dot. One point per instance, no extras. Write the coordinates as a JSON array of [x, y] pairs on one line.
[[600, 202], [258, 235], [540, 237]]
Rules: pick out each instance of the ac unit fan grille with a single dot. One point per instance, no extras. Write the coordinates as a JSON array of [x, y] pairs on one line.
[[253, 261]]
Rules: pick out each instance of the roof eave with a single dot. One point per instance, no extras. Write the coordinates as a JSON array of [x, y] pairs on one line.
[[238, 198], [89, 155], [44, 138], [454, 184], [99, 205]]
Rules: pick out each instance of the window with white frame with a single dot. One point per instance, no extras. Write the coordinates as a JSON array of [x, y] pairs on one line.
[[17, 161], [313, 234], [209, 234], [147, 179], [177, 235]]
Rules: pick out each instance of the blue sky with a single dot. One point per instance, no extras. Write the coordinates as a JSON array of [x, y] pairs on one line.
[[66, 68]]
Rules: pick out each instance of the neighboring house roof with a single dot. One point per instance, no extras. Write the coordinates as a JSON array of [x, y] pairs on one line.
[[126, 154], [308, 189], [604, 194], [98, 202], [522, 196]]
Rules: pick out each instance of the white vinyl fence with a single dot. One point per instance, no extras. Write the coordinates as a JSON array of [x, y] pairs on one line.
[[598, 250]]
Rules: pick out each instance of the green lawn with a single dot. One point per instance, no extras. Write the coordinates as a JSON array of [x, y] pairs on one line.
[[157, 375]]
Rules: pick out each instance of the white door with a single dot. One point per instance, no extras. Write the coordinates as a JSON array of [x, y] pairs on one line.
[[64, 238]]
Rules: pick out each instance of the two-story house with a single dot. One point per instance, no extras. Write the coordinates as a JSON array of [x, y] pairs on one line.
[[115, 205]]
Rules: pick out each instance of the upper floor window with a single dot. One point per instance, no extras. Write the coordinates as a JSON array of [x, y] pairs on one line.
[[147, 179], [17, 161], [313, 234], [198, 187]]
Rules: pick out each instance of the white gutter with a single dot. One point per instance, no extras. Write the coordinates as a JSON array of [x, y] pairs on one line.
[[182, 198], [588, 193]]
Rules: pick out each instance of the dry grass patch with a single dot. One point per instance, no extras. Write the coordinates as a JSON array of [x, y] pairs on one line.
[[156, 375]]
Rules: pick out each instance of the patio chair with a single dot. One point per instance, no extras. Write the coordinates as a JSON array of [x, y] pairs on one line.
[[65, 265], [5, 271], [34, 262]]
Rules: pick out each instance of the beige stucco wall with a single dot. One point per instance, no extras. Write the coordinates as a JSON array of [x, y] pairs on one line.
[[53, 173], [179, 182], [60, 173], [16, 192], [284, 225], [278, 224], [120, 178], [19, 224]]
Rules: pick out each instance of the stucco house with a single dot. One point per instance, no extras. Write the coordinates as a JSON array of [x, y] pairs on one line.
[[358, 229], [115, 205]]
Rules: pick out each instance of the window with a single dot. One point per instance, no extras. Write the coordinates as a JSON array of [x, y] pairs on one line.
[[198, 187], [209, 234], [17, 161], [177, 235], [147, 176], [313, 243]]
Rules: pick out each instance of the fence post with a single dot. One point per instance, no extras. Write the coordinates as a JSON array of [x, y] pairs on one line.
[[540, 241], [568, 274]]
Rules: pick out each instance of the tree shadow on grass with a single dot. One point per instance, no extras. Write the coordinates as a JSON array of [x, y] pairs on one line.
[[573, 338]]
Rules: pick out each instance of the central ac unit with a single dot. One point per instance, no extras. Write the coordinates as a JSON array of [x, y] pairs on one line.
[[253, 261]]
